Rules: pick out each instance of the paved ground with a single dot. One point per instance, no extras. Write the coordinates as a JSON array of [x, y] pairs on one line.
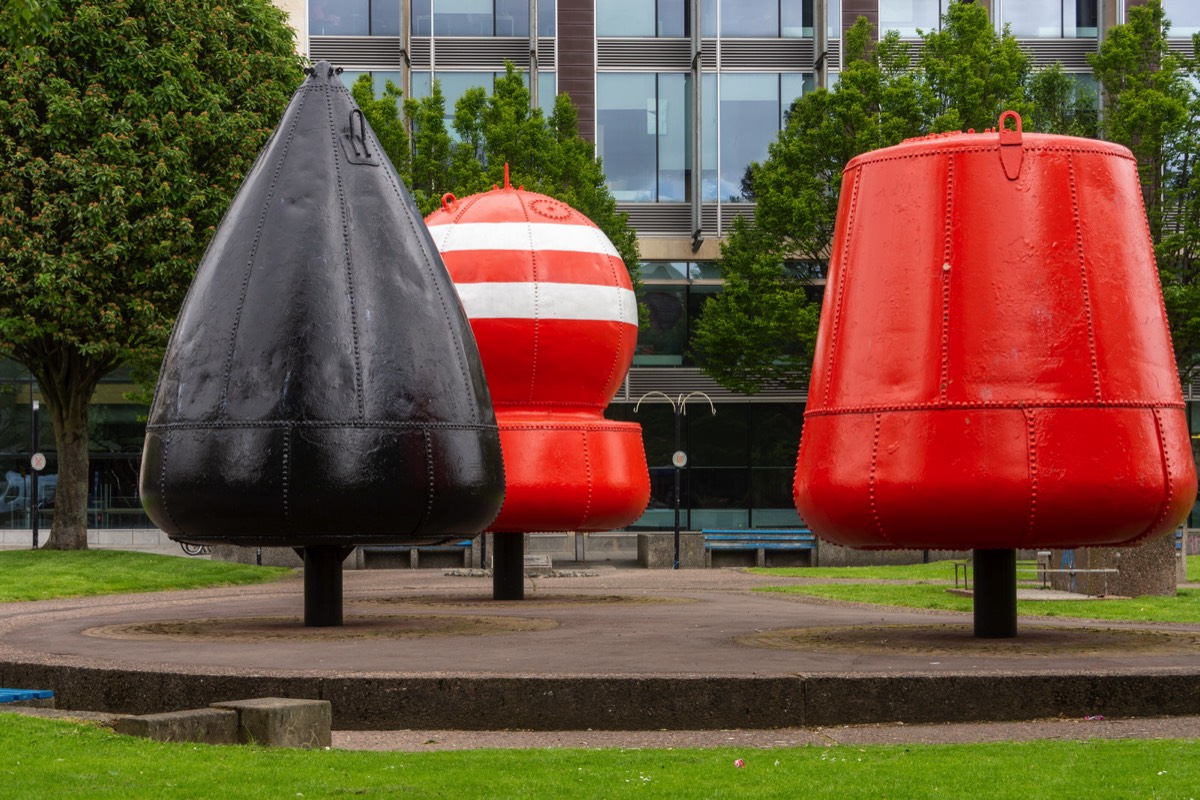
[[580, 648]]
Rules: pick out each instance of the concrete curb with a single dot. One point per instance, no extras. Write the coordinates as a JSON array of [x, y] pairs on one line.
[[638, 702]]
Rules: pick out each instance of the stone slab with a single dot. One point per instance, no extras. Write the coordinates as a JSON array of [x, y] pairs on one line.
[[203, 725], [282, 722]]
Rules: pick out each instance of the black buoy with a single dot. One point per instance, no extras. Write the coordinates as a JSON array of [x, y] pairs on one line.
[[995, 597], [322, 387]]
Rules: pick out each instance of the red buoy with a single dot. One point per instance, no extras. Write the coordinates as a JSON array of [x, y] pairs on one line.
[[555, 318], [993, 367]]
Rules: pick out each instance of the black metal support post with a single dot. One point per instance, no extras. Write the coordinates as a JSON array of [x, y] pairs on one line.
[[34, 500], [323, 585], [678, 470], [508, 566], [995, 594]]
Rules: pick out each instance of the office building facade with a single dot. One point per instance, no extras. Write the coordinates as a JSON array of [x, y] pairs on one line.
[[679, 96]]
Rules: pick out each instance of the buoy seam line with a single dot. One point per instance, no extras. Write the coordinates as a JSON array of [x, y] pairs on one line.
[[162, 483], [320, 425], [987, 406], [287, 458], [1083, 278], [1031, 453], [840, 296], [424, 240], [262, 219], [347, 250], [1166, 466], [947, 247]]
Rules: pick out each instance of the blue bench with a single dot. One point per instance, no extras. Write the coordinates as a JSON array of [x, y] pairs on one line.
[[761, 544], [409, 555], [25, 695]]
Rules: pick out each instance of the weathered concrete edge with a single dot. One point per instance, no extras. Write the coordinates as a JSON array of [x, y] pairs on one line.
[[637, 702]]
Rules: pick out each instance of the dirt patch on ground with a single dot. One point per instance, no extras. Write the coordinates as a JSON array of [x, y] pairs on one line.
[[959, 640], [291, 628], [530, 601]]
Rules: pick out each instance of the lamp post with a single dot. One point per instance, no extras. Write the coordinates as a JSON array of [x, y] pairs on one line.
[[37, 462], [679, 457]]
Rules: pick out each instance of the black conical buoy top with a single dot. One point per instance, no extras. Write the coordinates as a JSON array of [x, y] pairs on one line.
[[321, 385]]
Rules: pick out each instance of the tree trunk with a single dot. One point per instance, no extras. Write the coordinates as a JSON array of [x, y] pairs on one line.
[[67, 380], [69, 529]]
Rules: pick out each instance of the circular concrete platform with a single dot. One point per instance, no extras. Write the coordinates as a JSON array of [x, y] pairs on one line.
[[626, 649]]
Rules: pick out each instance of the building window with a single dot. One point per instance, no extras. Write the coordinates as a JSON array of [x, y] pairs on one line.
[[911, 17], [455, 85], [674, 294], [642, 135], [750, 113], [642, 18], [480, 17], [764, 18], [1184, 16], [1050, 19], [354, 18], [379, 79]]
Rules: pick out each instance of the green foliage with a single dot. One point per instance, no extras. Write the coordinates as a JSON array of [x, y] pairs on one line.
[[61, 759], [45, 575], [22, 21], [125, 129], [544, 155], [383, 114], [1060, 105]]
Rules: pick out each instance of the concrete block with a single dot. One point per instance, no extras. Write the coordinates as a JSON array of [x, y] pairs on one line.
[[282, 721], [204, 725], [657, 550]]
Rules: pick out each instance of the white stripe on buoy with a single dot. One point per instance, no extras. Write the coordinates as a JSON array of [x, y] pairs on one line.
[[521, 236], [544, 300]]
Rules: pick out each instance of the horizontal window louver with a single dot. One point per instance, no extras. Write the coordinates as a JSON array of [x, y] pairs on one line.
[[709, 222], [659, 219], [1072, 53], [652, 55], [485, 53], [356, 52], [674, 381], [1182, 46], [767, 54]]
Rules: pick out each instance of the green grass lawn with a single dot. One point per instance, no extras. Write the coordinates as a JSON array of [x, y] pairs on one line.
[[1184, 607], [44, 759], [47, 574]]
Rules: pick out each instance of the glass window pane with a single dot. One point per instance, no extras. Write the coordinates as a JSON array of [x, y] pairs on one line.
[[718, 498], [665, 271], [624, 18], [626, 108], [1035, 18], [750, 18], [547, 18], [422, 85], [1184, 16], [385, 17], [771, 498], [349, 76], [547, 89], [717, 440], [339, 18], [708, 124], [463, 18], [791, 86], [455, 85], [674, 159], [1082, 19], [749, 111], [833, 18], [708, 17], [909, 16], [796, 18], [672, 18], [380, 79], [512, 17], [422, 21], [662, 341]]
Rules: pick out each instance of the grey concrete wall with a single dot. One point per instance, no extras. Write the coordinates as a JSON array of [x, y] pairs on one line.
[[1150, 568]]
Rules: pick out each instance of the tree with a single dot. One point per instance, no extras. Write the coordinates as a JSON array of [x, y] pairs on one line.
[[1060, 105], [760, 329], [544, 155], [383, 112], [21, 21], [125, 130]]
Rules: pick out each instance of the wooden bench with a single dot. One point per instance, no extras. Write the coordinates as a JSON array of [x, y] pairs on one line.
[[409, 555], [762, 544]]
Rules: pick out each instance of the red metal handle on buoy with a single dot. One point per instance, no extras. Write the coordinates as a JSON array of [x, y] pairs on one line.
[[1011, 151]]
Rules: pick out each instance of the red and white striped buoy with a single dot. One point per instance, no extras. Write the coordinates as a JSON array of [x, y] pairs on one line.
[[555, 318]]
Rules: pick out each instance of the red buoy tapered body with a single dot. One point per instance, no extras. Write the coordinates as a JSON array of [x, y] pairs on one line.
[[554, 314], [993, 367]]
